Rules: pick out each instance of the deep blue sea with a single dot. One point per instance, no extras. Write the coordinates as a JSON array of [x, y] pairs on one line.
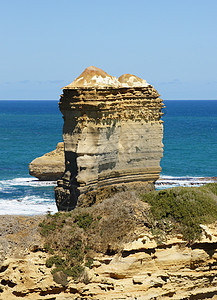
[[29, 129]]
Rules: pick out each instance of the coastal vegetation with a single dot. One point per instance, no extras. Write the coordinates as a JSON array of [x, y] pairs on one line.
[[74, 238], [183, 209]]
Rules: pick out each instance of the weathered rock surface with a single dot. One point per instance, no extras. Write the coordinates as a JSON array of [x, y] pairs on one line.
[[50, 166], [112, 134], [143, 269]]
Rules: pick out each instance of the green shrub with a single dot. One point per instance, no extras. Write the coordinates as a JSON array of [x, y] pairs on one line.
[[48, 248], [55, 260], [89, 262], [185, 207], [52, 223], [212, 187], [46, 227], [61, 232], [60, 264], [84, 220], [76, 252], [75, 272]]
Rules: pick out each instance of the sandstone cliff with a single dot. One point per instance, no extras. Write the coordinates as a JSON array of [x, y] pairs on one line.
[[113, 137], [142, 270], [116, 249], [50, 166]]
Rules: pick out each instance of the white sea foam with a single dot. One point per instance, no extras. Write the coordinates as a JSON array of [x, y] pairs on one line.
[[169, 181], [28, 181], [28, 205], [35, 204]]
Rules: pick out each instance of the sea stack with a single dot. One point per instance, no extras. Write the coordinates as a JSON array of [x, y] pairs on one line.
[[112, 137]]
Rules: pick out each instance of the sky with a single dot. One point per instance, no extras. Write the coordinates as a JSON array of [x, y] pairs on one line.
[[46, 44]]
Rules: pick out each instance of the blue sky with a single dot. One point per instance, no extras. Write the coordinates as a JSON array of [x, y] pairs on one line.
[[46, 44]]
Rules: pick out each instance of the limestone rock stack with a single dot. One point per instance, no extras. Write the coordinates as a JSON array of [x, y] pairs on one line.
[[112, 135]]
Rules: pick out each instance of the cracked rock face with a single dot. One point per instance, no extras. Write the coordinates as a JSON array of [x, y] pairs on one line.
[[112, 136]]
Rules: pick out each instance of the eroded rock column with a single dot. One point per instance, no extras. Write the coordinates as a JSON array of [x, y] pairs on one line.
[[112, 135]]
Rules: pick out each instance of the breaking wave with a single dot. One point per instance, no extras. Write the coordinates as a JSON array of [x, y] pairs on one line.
[[165, 182], [27, 196]]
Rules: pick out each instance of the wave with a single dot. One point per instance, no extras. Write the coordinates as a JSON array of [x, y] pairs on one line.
[[21, 196], [28, 181], [26, 196], [27, 205], [171, 181]]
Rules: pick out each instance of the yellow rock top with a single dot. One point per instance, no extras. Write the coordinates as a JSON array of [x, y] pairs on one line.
[[95, 77], [129, 80]]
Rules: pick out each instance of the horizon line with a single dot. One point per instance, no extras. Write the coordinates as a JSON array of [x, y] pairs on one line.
[[58, 100]]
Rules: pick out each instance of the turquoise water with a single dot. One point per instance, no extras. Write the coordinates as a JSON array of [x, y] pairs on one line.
[[29, 129]]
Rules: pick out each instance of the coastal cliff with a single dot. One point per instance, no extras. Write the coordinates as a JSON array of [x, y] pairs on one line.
[[141, 271], [129, 259], [112, 135]]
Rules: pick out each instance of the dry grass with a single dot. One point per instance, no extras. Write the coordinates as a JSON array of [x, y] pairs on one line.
[[75, 237], [18, 234]]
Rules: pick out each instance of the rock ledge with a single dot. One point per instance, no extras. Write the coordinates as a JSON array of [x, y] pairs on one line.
[[50, 166]]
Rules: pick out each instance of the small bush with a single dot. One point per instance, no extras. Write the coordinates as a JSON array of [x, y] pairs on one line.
[[89, 262], [55, 260], [60, 264], [84, 220], [47, 227], [64, 234], [75, 272], [212, 187], [76, 252], [48, 248], [185, 207]]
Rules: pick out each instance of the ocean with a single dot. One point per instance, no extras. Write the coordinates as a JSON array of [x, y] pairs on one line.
[[29, 129]]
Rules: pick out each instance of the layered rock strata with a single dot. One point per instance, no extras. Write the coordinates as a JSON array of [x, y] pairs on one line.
[[113, 137], [142, 270], [50, 166]]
